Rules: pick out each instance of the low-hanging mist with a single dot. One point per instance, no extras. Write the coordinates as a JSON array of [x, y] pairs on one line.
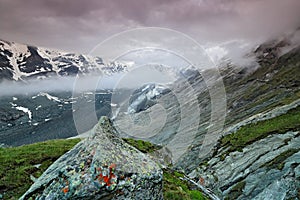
[[133, 79]]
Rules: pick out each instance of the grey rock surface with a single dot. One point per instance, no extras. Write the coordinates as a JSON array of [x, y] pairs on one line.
[[250, 172]]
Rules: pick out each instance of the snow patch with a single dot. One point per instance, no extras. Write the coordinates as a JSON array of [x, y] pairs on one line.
[[25, 110], [113, 105], [19, 52], [48, 96], [13, 104]]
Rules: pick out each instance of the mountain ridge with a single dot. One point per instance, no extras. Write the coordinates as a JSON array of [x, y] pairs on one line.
[[20, 62]]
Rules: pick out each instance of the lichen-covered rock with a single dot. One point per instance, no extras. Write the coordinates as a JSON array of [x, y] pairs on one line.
[[102, 166]]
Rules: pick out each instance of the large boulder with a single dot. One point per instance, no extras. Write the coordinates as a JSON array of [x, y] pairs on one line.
[[102, 166]]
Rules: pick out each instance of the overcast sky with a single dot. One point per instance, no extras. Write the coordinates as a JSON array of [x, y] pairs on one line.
[[79, 25]]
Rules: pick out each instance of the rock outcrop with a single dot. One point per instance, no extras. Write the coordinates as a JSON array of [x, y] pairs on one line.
[[102, 166], [268, 168]]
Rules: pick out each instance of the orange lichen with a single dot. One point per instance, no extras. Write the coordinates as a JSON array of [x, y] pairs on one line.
[[107, 179], [100, 177], [65, 189]]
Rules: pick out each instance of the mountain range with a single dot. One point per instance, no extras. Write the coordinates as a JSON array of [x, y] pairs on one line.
[[22, 62]]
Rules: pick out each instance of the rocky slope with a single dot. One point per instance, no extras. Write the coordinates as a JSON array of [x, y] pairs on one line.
[[187, 108], [100, 167], [249, 166], [26, 119], [257, 158]]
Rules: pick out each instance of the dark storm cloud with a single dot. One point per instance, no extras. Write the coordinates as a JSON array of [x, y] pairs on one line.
[[78, 25]]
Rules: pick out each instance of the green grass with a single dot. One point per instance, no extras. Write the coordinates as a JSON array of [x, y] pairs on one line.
[[143, 146], [177, 189], [17, 164], [253, 132]]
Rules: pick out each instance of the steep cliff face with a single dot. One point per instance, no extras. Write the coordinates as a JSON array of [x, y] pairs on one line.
[[101, 167]]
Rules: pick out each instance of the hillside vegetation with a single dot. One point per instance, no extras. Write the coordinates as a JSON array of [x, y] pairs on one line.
[[19, 165]]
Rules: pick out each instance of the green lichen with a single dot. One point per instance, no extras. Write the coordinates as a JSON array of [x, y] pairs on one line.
[[173, 187]]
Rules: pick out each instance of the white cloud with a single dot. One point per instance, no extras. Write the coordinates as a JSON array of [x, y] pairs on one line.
[[216, 53]]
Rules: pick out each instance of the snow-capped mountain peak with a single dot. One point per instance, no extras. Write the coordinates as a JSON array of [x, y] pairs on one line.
[[21, 62]]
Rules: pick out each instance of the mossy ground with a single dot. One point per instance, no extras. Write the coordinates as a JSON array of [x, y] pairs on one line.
[[143, 146], [17, 164], [177, 189], [253, 132], [271, 85]]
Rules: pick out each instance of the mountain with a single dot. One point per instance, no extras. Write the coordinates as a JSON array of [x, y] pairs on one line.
[[21, 62], [31, 116], [256, 156], [26, 119]]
